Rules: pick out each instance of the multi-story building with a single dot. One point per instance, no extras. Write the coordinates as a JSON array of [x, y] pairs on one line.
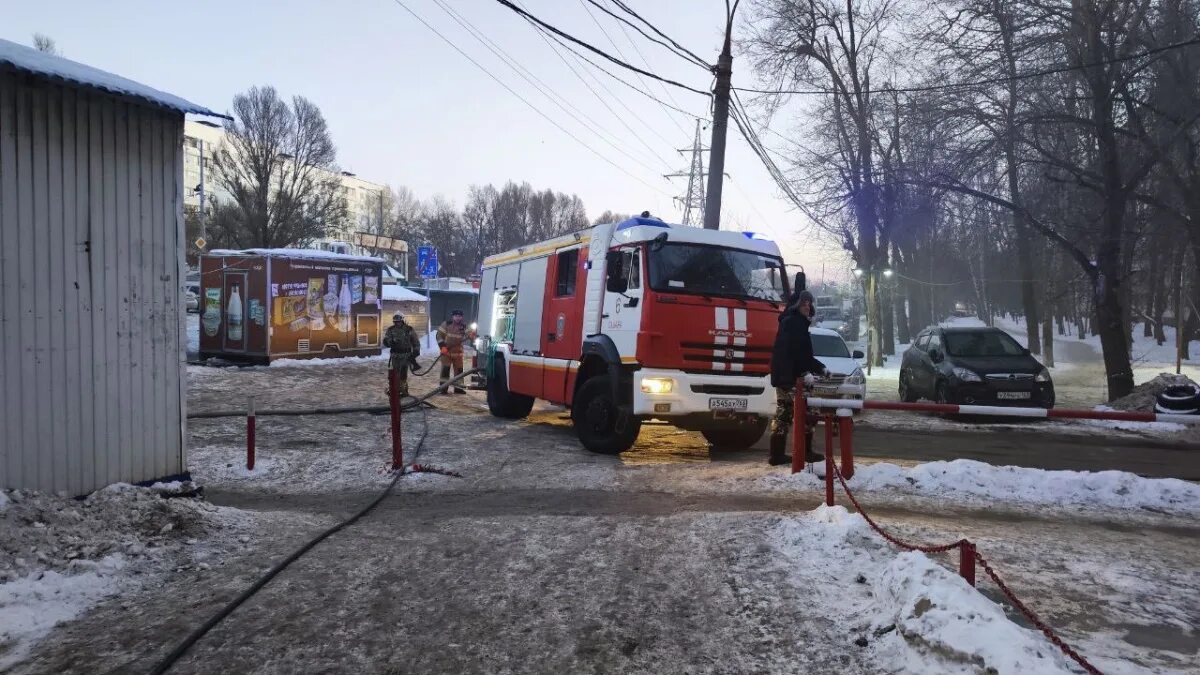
[[364, 199]]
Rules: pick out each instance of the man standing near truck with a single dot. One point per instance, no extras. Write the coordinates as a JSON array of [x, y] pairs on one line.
[[450, 338], [792, 359], [402, 340]]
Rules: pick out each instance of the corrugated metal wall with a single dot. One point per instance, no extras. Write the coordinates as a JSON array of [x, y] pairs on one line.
[[91, 323]]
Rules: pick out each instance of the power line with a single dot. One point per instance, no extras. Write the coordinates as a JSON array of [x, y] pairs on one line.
[[654, 28], [550, 38], [526, 101], [532, 79], [742, 121], [536, 21], [666, 92], [614, 76], [686, 55], [993, 80], [614, 44]]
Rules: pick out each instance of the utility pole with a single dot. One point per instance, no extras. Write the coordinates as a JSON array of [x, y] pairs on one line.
[[716, 168], [693, 200], [203, 220]]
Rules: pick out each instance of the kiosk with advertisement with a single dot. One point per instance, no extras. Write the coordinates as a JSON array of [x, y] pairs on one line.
[[260, 305]]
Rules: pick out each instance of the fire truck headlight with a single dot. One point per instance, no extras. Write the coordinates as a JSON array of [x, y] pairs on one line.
[[658, 385]]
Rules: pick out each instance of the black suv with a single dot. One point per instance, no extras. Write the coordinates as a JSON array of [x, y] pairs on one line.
[[973, 366]]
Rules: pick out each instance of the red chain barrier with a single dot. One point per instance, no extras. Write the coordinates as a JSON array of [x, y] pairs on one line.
[[898, 542], [969, 556], [1035, 620]]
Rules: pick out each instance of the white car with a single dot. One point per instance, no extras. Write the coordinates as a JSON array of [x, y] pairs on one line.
[[846, 379], [191, 297]]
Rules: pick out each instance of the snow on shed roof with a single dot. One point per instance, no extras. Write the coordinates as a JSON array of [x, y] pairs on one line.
[[399, 293], [32, 61], [311, 254]]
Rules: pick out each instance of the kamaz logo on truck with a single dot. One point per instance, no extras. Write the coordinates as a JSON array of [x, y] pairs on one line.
[[730, 333]]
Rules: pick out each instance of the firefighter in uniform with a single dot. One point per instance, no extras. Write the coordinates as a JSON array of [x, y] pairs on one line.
[[450, 338], [792, 359], [402, 340]]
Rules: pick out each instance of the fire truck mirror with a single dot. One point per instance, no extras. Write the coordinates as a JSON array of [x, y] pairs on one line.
[[616, 276]]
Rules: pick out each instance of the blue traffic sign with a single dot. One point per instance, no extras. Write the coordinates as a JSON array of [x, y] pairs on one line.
[[427, 262]]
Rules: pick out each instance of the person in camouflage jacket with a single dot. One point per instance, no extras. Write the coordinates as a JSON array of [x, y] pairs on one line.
[[402, 340]]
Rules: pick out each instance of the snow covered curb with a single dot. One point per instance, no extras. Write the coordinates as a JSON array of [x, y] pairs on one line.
[[60, 556], [976, 482], [910, 613]]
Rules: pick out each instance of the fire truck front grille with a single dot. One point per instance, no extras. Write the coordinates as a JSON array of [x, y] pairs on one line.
[[725, 359], [726, 389], [710, 346]]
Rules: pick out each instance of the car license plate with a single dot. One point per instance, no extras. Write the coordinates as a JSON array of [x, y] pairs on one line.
[[825, 391], [728, 403], [1012, 395]]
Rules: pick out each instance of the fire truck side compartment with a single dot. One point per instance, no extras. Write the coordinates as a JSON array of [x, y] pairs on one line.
[[531, 291]]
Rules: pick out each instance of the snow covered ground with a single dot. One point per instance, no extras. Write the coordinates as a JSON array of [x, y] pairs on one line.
[[59, 557], [909, 612], [965, 481]]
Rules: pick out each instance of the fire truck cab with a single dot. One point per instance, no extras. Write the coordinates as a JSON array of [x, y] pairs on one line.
[[624, 322]]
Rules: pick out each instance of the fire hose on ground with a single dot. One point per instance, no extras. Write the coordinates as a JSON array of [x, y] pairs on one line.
[[182, 648]]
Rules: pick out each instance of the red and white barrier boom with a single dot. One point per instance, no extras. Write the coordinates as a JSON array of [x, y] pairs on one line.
[[1004, 411]]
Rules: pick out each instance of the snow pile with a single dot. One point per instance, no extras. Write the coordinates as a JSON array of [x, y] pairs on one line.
[[972, 481], [912, 614], [1143, 395], [938, 617], [58, 556], [321, 363]]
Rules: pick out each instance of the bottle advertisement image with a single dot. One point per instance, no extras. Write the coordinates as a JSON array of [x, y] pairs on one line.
[[233, 316]]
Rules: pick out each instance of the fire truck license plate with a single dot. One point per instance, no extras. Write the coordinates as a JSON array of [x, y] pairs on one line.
[[728, 403]]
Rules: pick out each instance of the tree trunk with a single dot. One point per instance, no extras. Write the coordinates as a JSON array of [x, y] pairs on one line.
[[903, 336], [874, 343], [1160, 299], [1047, 324], [1024, 254]]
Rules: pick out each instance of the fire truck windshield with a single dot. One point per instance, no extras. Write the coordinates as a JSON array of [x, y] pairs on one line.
[[711, 270]]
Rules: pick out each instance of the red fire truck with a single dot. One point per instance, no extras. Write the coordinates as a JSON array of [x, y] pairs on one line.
[[629, 321]]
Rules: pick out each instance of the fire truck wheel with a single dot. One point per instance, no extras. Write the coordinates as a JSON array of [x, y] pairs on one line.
[[502, 402], [740, 438], [601, 425]]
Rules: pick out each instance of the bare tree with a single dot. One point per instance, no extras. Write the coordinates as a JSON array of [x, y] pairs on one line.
[[610, 216], [277, 163], [836, 46], [45, 44]]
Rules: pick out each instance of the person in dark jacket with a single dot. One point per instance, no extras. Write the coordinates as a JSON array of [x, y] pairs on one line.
[[791, 360]]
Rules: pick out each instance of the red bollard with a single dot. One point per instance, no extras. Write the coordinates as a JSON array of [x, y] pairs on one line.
[[845, 432], [799, 423], [250, 429], [828, 460], [966, 561], [394, 400]]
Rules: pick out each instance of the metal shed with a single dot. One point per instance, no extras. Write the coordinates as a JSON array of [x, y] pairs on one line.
[[91, 274]]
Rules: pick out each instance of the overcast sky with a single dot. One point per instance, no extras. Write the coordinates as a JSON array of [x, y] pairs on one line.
[[405, 108]]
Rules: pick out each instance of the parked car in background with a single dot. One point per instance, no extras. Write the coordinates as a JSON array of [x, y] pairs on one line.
[[191, 296], [974, 366], [846, 379]]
